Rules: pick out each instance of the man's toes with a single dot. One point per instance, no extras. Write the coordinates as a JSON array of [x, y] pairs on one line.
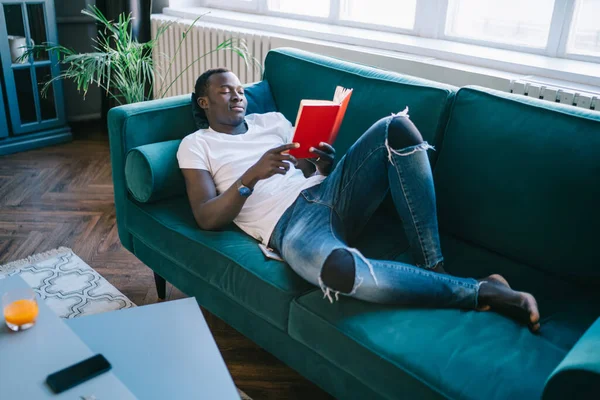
[[532, 308], [535, 327]]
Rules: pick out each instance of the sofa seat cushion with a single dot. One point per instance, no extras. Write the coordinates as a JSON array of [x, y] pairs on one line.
[[426, 353], [229, 260], [567, 309], [430, 353]]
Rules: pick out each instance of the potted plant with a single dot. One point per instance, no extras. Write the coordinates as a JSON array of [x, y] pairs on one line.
[[122, 66]]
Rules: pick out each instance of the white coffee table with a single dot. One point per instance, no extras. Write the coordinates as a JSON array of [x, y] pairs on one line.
[[159, 351]]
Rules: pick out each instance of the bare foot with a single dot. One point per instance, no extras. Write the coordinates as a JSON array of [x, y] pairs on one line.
[[495, 279], [520, 306]]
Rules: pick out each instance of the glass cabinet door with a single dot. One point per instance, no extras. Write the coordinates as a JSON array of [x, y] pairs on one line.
[[24, 24], [3, 110]]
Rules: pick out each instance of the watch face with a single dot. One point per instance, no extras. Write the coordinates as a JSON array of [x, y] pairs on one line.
[[244, 191]]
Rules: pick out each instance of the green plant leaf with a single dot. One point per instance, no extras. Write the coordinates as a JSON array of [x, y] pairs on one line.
[[120, 65]]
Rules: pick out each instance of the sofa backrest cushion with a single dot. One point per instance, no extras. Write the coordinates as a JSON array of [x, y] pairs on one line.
[[521, 177], [295, 75]]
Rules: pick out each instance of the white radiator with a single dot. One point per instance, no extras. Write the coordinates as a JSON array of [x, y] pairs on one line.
[[556, 93], [201, 39]]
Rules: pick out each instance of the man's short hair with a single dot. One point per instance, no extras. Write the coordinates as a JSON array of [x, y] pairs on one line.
[[202, 82]]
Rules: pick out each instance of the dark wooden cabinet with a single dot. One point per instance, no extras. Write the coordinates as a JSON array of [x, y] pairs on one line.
[[3, 122], [31, 119]]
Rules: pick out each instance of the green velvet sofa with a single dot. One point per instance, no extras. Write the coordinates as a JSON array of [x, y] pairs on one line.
[[518, 186]]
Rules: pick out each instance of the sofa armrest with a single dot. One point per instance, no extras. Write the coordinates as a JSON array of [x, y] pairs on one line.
[[578, 375], [138, 124]]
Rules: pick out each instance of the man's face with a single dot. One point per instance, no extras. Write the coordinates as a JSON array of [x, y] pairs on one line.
[[225, 102]]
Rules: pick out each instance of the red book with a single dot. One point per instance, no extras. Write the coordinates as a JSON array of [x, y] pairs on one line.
[[319, 121]]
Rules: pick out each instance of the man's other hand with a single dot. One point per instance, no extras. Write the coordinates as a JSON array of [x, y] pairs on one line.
[[271, 163], [325, 158]]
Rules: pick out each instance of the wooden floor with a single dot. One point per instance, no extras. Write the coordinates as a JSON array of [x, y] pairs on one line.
[[63, 196]]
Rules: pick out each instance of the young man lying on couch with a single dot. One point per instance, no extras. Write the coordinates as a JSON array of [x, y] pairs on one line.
[[239, 170]]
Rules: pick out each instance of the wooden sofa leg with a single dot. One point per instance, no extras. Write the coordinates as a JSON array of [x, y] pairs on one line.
[[161, 286]]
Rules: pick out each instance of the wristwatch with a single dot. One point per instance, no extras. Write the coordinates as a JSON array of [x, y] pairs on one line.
[[244, 190]]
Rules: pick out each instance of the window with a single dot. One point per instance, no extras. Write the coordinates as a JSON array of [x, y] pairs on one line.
[[519, 22], [399, 13], [584, 37], [313, 8], [555, 28], [241, 5]]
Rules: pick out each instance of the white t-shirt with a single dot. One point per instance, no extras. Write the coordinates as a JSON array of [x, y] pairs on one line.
[[227, 157]]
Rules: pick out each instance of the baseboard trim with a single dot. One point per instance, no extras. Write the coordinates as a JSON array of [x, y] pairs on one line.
[[85, 117], [30, 142]]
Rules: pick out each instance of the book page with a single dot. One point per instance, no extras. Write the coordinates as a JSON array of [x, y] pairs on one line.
[[317, 103], [344, 95], [340, 94]]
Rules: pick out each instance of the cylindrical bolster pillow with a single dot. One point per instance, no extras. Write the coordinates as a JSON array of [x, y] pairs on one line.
[[578, 375], [152, 172]]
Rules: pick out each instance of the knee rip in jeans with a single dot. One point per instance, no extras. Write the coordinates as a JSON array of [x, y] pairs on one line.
[[339, 271], [407, 150]]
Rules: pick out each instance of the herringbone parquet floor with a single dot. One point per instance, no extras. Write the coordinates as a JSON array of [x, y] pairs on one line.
[[63, 196]]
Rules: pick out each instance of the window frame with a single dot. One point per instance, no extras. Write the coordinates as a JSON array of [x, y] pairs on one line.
[[233, 5], [430, 23], [552, 45], [564, 40]]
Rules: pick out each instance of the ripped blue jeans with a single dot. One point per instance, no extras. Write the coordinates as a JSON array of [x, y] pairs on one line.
[[323, 217]]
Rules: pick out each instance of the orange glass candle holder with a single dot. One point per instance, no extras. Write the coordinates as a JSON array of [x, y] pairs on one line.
[[20, 309]]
